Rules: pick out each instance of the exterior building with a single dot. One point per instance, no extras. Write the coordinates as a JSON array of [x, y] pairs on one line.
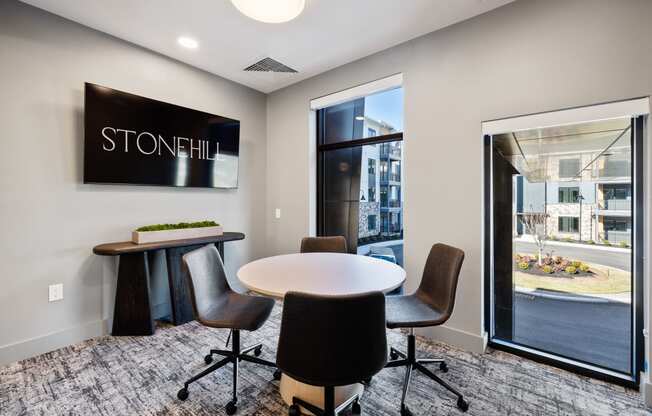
[[593, 206], [381, 197]]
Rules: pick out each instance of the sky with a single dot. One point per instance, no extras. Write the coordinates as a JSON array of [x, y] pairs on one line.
[[386, 106]]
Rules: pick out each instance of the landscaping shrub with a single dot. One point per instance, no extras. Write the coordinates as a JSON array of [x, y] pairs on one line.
[[548, 269], [584, 267], [624, 244], [606, 242], [568, 239], [590, 242], [570, 270], [553, 237], [524, 265], [576, 264]]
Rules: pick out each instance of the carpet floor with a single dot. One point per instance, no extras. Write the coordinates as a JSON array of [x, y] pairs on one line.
[[141, 376]]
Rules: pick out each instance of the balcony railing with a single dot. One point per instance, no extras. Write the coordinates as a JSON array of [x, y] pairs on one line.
[[616, 204], [394, 177], [392, 151]]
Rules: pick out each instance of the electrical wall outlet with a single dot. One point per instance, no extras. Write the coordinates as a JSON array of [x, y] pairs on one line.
[[55, 292], [277, 213]]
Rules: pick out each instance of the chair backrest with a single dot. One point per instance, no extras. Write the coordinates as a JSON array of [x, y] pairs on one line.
[[335, 244], [207, 279], [332, 340], [440, 275]]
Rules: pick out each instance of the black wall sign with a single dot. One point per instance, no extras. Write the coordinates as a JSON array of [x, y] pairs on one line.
[[136, 140]]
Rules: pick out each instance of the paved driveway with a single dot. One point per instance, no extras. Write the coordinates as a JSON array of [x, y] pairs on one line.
[[595, 332]]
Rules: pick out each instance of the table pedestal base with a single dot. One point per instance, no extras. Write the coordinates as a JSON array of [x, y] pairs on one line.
[[315, 395]]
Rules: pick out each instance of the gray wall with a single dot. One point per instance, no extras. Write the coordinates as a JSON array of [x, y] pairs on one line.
[[50, 220], [526, 57]]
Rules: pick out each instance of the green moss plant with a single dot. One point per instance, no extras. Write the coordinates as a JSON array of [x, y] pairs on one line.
[[179, 226]]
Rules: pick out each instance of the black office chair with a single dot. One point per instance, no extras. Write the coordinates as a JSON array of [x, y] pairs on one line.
[[332, 341], [336, 244], [217, 306], [431, 305]]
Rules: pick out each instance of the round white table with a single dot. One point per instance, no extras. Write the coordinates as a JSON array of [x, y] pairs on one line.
[[319, 274]]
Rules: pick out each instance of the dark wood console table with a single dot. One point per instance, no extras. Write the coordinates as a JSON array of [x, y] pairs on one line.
[[133, 306]]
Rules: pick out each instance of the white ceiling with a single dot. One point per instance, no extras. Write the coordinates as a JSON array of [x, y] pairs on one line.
[[329, 33]]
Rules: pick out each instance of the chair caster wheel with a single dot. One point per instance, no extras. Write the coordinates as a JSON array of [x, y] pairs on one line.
[[356, 409], [405, 411], [294, 410], [208, 359], [258, 351], [277, 374], [462, 404], [231, 408], [443, 367], [182, 394], [393, 355]]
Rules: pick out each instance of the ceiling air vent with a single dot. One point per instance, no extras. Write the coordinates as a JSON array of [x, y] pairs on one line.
[[269, 65]]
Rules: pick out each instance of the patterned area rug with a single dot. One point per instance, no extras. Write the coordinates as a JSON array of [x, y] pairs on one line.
[[141, 376]]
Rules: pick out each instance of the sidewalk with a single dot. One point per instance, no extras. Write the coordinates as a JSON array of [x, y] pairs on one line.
[[624, 297]]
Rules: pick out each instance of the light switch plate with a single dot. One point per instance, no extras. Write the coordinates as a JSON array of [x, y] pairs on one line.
[[55, 292], [277, 213]]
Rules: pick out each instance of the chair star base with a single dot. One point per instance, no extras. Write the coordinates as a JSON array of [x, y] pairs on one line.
[[234, 356], [329, 405], [409, 360]]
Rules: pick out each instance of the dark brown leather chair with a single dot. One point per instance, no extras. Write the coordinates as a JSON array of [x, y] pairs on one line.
[[431, 305], [217, 306], [335, 244], [332, 341]]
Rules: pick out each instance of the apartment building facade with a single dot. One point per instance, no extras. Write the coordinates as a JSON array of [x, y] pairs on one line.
[[590, 206], [381, 197]]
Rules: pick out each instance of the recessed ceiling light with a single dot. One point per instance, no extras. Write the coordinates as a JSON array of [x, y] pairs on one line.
[[270, 11], [360, 118], [187, 42]]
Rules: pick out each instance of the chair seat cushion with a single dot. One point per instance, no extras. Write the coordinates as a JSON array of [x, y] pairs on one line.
[[411, 312], [235, 311]]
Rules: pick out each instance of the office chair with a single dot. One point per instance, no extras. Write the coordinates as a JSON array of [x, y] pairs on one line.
[[335, 244], [431, 305], [217, 306], [332, 341]]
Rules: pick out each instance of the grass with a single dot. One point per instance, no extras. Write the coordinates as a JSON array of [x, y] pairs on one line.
[[179, 226], [607, 280]]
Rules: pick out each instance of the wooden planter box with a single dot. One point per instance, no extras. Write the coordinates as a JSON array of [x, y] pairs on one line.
[[142, 237]]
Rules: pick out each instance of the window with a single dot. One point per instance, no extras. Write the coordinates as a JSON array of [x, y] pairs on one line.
[[357, 140], [617, 191], [371, 222], [371, 166], [569, 168], [569, 194], [372, 195], [569, 224]]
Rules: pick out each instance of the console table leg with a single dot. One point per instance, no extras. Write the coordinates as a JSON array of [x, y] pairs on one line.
[[133, 309]]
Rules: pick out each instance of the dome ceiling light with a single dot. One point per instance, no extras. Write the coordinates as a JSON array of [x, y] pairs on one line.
[[270, 11]]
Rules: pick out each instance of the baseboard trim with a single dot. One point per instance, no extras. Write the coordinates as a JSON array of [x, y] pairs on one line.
[[457, 337], [39, 345], [645, 388]]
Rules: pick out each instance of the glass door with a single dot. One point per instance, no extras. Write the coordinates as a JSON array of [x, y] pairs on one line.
[[564, 248]]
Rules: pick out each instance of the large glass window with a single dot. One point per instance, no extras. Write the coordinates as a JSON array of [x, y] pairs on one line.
[[569, 194], [360, 153], [569, 224], [563, 244]]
